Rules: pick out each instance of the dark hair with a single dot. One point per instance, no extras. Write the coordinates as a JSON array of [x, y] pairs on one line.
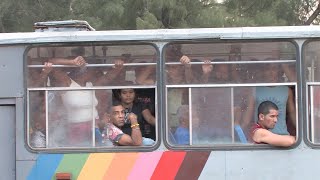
[[114, 103], [265, 107], [78, 51], [117, 94], [77, 72]]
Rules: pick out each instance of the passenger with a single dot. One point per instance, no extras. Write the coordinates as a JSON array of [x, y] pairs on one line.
[[147, 98], [221, 72], [127, 97], [215, 104], [117, 121], [146, 75], [38, 135], [182, 74], [192, 76], [39, 79], [81, 105], [181, 134], [267, 119], [282, 96]]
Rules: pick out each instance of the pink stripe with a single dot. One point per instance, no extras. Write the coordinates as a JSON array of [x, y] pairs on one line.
[[145, 165]]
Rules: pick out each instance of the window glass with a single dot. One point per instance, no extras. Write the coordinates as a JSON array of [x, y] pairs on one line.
[[75, 88], [214, 90], [312, 65]]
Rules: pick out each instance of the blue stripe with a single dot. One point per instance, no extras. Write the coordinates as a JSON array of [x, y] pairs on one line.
[[45, 166]]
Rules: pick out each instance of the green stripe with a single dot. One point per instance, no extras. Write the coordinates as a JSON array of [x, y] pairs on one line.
[[72, 163]]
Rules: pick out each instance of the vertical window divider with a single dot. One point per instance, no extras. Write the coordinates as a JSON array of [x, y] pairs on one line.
[[312, 113], [190, 115], [47, 118], [232, 113], [93, 120]]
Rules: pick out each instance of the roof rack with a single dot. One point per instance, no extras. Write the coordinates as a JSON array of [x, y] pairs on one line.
[[67, 25]]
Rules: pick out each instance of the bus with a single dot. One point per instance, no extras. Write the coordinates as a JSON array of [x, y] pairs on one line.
[[201, 86]]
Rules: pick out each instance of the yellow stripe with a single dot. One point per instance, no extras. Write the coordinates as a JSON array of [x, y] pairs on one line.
[[96, 166]]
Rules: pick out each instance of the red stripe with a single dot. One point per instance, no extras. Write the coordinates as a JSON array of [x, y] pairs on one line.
[[192, 165], [168, 165]]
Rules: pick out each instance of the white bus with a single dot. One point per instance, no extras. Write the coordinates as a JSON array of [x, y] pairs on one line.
[[203, 109]]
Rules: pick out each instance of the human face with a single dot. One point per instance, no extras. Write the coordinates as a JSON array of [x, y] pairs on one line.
[[117, 115], [269, 120], [222, 72], [272, 73], [175, 73], [127, 96]]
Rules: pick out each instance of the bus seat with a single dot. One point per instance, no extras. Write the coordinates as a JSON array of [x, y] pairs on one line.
[[240, 134]]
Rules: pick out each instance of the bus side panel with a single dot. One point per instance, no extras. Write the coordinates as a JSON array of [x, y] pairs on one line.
[[7, 139], [11, 71], [24, 159]]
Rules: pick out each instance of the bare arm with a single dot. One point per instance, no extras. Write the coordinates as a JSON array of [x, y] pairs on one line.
[[265, 136], [148, 117], [291, 107], [136, 138], [248, 114], [61, 76], [144, 76], [206, 71], [111, 75], [43, 76], [78, 61], [290, 73], [187, 69]]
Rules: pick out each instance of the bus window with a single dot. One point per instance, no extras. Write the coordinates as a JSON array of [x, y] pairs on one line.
[[312, 72], [221, 85], [76, 84]]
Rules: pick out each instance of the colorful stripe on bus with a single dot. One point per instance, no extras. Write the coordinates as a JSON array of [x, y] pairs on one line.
[[156, 165]]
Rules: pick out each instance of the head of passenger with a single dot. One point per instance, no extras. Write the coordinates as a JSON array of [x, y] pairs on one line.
[[272, 72], [183, 115], [173, 53], [127, 96], [221, 72], [117, 114], [175, 73], [268, 114], [78, 73]]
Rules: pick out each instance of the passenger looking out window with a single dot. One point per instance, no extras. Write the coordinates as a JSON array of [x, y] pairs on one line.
[[115, 120], [267, 119], [282, 96], [127, 98]]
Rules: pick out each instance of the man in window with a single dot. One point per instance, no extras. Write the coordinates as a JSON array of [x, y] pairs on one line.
[[267, 118], [116, 120]]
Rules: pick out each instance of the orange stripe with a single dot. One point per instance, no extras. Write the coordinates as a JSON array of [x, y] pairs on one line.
[[121, 166], [96, 166], [168, 165]]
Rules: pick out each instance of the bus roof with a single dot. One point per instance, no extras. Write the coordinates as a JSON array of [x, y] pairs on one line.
[[245, 33]]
